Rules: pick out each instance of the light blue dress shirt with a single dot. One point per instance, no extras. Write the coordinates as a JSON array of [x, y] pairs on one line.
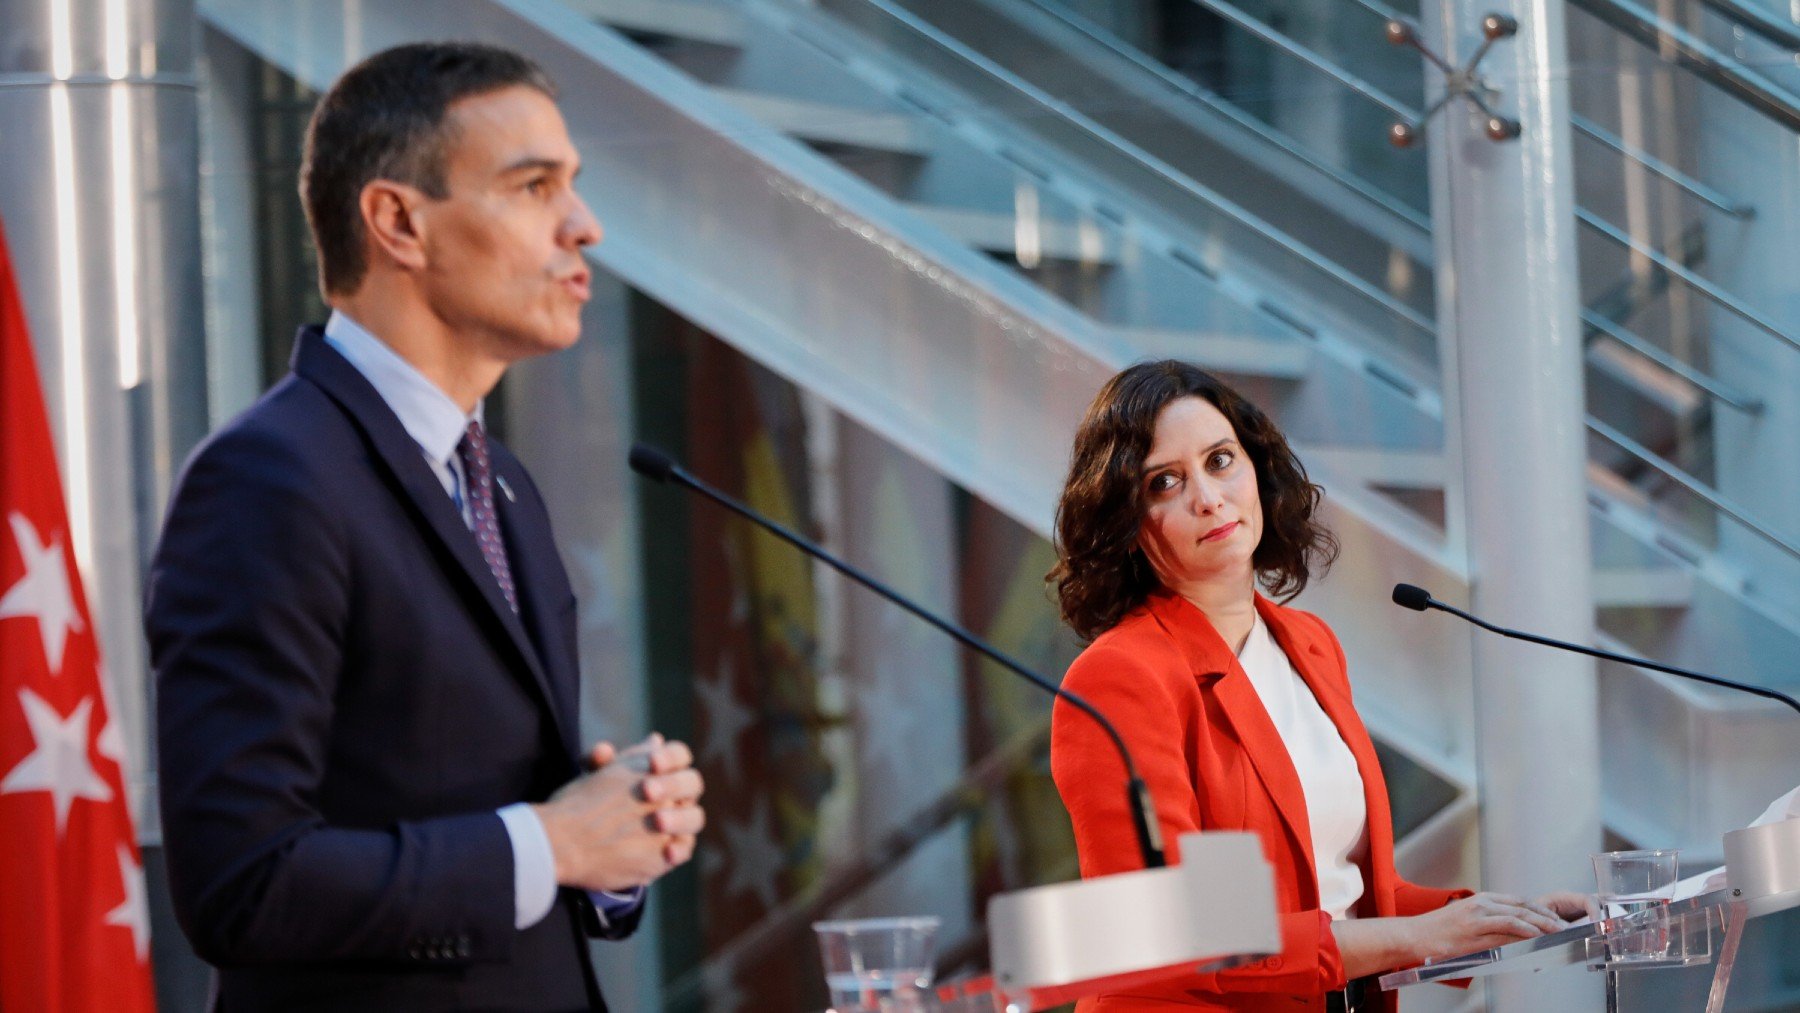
[[437, 424]]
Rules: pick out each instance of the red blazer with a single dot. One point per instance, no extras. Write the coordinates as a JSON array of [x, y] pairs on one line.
[[1214, 761]]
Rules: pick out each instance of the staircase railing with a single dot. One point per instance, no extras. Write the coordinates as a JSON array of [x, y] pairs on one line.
[[1066, 112], [1675, 44], [1672, 42]]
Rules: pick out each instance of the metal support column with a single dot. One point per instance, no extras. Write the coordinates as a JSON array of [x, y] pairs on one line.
[[1503, 212], [99, 192]]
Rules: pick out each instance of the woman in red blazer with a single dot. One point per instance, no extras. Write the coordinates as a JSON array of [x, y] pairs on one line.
[[1182, 498]]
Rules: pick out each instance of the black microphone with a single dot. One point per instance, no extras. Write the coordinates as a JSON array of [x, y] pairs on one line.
[[653, 463], [1418, 599]]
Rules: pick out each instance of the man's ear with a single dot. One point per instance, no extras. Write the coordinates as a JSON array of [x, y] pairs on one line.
[[389, 214]]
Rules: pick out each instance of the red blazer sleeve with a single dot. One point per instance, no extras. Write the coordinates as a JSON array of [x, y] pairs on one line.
[[1156, 708]]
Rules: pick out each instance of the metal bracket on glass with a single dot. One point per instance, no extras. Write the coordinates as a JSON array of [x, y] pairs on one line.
[[1463, 82]]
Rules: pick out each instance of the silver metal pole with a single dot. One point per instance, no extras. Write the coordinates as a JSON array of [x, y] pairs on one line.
[[1504, 216], [98, 190]]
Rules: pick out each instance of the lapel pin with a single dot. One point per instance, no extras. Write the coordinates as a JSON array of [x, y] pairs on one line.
[[505, 488]]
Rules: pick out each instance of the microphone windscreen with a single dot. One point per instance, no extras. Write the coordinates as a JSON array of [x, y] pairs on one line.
[[651, 462], [1408, 596]]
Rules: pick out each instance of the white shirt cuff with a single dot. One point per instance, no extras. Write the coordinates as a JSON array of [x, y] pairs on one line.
[[534, 865]]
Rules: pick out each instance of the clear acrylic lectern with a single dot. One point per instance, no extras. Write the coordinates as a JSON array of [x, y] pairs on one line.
[[1762, 870]]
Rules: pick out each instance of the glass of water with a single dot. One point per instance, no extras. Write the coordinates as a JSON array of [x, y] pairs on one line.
[[1634, 881], [877, 964]]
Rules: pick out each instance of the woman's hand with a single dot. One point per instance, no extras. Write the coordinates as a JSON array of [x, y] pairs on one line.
[[1568, 905], [1482, 922]]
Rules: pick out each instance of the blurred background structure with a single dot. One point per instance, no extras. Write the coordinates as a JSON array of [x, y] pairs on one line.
[[866, 262]]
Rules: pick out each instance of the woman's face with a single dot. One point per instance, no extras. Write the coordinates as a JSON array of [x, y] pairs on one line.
[[1203, 518]]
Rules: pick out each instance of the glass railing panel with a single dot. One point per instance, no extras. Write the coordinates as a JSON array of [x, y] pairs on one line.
[[1761, 36], [1247, 198], [1314, 77], [967, 156], [1319, 74]]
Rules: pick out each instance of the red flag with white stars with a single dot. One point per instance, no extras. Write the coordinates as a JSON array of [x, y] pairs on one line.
[[74, 923]]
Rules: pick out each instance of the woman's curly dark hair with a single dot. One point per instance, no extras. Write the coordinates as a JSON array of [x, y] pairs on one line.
[[1100, 573]]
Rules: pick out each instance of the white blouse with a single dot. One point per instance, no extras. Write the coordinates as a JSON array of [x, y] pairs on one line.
[[1327, 768]]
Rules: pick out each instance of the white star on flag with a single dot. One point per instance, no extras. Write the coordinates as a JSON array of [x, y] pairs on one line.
[[134, 913], [43, 593], [756, 858], [726, 718], [61, 947], [58, 762], [111, 741]]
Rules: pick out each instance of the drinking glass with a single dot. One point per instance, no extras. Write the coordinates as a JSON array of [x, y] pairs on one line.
[[877, 964], [1632, 881]]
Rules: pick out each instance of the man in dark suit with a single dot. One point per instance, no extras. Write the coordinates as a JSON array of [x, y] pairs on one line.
[[372, 791]]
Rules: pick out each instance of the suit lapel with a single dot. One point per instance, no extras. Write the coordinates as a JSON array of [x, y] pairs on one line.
[[399, 454], [1212, 660], [542, 587]]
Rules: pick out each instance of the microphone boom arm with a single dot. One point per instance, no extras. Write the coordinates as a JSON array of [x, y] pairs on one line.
[[1596, 652]]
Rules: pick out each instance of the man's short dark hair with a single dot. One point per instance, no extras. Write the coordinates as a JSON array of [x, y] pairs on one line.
[[385, 119]]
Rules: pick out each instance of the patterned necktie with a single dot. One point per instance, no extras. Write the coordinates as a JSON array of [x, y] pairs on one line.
[[473, 449]]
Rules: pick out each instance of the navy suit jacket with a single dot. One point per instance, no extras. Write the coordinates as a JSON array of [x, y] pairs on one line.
[[344, 698]]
